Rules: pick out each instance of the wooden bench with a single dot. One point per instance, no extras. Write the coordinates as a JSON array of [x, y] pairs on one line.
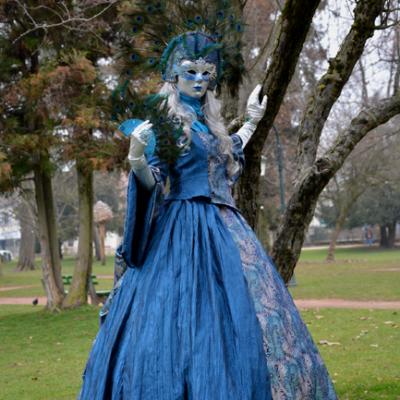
[[67, 280]]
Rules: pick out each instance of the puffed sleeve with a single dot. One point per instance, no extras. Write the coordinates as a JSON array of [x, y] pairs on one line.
[[238, 156]]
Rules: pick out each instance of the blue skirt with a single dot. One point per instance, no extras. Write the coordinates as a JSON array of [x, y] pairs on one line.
[[206, 317]]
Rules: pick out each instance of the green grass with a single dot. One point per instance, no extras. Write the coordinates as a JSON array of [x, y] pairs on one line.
[[365, 365], [12, 278], [357, 274], [43, 354]]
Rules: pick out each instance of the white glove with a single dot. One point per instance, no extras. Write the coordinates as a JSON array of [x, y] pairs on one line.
[[256, 110], [139, 139], [254, 113]]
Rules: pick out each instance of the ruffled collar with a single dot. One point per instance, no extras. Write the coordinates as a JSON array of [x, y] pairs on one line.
[[194, 103]]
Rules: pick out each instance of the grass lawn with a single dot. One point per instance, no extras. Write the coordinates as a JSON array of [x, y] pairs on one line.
[[32, 278], [43, 354], [357, 274], [363, 354]]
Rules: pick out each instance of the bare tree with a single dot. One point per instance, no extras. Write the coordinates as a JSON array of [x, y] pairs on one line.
[[290, 34], [360, 172], [313, 172]]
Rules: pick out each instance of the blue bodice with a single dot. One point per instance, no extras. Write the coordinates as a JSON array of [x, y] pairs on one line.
[[201, 170]]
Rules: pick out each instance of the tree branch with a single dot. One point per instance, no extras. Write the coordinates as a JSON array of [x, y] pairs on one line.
[[68, 20], [329, 87], [302, 204], [293, 26]]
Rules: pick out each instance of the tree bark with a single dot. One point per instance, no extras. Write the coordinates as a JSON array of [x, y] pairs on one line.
[[301, 206], [391, 235], [330, 86], [102, 240], [96, 242], [313, 175], [51, 264], [330, 257], [353, 193], [293, 26], [384, 241], [78, 292], [26, 257]]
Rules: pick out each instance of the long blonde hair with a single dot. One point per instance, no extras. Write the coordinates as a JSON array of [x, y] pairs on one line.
[[212, 114]]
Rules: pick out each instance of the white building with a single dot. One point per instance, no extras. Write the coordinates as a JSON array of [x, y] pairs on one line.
[[10, 232]]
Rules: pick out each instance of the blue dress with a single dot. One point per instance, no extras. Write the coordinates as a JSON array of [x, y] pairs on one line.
[[201, 312]]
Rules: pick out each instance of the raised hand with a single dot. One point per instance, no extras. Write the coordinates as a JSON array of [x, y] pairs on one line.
[[143, 132], [139, 139], [254, 112], [255, 109]]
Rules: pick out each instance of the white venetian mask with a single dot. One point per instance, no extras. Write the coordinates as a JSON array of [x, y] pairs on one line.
[[194, 77]]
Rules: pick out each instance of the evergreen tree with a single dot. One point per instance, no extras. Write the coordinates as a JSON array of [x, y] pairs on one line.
[[41, 77]]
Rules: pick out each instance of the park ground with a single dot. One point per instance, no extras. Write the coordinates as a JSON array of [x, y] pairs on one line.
[[43, 354]]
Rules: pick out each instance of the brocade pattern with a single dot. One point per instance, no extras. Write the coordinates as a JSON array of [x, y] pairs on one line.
[[296, 369]]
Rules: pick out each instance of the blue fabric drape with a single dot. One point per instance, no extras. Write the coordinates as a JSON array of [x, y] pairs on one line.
[[183, 325]]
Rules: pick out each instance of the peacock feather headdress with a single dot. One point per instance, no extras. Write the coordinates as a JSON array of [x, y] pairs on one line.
[[156, 35], [153, 30]]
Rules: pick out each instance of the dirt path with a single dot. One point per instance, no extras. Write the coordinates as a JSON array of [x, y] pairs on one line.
[[7, 288], [340, 303], [302, 304], [22, 300]]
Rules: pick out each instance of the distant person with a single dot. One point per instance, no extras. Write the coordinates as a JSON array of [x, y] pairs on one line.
[[369, 236]]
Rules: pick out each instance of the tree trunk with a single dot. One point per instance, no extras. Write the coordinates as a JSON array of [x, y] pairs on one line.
[[26, 257], [102, 241], [94, 298], [78, 292], [293, 26], [330, 257], [391, 235], [331, 84], [96, 242], [383, 242], [301, 205], [343, 213], [51, 264], [314, 174]]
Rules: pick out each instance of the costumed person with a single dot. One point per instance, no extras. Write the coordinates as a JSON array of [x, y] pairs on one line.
[[200, 311]]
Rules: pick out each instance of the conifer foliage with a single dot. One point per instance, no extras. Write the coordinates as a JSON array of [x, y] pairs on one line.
[[52, 101]]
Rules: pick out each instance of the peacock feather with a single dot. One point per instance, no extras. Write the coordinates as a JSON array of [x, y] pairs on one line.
[[150, 32]]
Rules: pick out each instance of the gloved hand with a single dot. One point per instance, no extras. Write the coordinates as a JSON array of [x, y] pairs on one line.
[[139, 140], [254, 113], [255, 110]]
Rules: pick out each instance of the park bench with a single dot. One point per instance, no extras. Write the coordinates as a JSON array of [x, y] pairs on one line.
[[67, 280]]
